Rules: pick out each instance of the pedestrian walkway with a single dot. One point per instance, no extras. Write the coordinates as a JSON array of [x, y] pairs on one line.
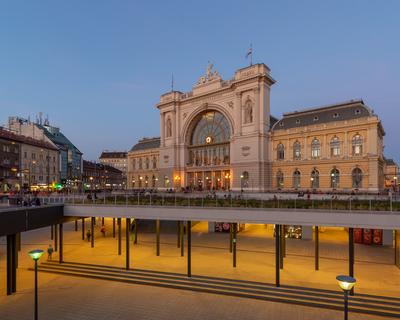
[[68, 297]]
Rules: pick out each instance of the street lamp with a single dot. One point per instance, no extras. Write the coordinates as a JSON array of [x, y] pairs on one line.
[[241, 182], [35, 255], [346, 283]]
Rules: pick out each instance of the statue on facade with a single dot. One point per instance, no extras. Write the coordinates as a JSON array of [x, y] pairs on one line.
[[169, 127], [248, 112], [210, 74]]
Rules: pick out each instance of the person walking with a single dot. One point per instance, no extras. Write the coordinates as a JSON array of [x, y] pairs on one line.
[[103, 230], [50, 251], [88, 235]]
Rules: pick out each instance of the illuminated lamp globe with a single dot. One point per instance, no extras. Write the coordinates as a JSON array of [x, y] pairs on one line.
[[36, 254], [346, 283]]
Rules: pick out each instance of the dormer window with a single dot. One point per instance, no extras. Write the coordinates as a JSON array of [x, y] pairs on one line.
[[281, 124], [336, 115], [357, 111], [316, 118], [297, 121]]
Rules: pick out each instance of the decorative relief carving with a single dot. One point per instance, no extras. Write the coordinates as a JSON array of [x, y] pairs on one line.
[[230, 104], [184, 115]]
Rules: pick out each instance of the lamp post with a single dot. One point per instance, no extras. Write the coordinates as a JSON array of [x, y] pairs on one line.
[[346, 283], [241, 183], [35, 255]]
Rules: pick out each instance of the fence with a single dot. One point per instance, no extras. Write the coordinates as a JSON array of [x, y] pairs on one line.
[[237, 201]]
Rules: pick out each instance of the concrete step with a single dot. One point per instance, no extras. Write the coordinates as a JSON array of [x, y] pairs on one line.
[[361, 303]]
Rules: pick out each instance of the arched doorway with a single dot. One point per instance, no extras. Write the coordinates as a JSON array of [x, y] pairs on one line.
[[208, 165]]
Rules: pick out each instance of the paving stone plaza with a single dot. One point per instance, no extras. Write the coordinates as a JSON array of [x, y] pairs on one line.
[[70, 297]]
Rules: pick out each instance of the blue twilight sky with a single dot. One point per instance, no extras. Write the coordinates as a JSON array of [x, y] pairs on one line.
[[98, 67]]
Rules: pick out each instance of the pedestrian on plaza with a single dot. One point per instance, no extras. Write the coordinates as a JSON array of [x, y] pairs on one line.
[[88, 235], [103, 230], [50, 251]]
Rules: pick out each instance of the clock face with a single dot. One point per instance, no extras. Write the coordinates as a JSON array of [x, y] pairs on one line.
[[208, 140]]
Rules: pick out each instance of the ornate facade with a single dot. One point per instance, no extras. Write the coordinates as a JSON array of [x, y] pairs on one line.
[[221, 135]]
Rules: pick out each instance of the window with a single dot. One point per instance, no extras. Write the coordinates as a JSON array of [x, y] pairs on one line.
[[314, 179], [133, 164], [153, 181], [335, 176], [296, 179], [279, 179], [356, 177], [280, 151], [140, 164], [281, 124], [335, 147], [297, 150], [244, 179], [357, 145], [209, 143], [297, 121], [357, 111], [33, 156], [154, 162], [147, 163], [315, 149], [25, 155], [316, 118], [336, 115]]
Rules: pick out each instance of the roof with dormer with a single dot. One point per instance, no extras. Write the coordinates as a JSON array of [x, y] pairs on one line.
[[346, 110], [147, 143]]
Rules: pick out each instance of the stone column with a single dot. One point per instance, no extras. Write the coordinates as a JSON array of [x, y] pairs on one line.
[[162, 129], [305, 155], [257, 109]]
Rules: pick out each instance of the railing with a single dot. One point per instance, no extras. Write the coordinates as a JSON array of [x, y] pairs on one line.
[[234, 201]]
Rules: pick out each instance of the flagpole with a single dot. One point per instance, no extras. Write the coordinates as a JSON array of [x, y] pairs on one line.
[[251, 55]]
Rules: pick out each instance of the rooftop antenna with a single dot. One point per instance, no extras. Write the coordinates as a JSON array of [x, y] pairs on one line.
[[172, 82]]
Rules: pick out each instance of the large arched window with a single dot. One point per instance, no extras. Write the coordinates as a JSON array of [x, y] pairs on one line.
[[244, 179], [209, 142], [134, 164], [314, 179], [357, 145], [335, 178], [356, 178], [297, 150], [279, 179], [296, 179], [315, 149], [147, 163], [140, 164], [335, 147], [280, 151]]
